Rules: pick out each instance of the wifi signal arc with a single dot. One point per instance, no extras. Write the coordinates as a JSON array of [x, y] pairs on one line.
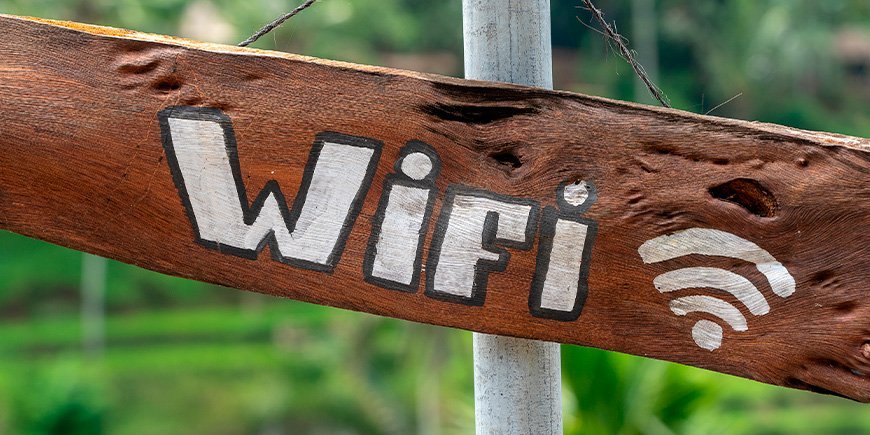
[[707, 334], [710, 305], [719, 279], [704, 241]]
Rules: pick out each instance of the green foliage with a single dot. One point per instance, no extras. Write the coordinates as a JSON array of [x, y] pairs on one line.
[[43, 279], [277, 364], [62, 399], [779, 55], [617, 394]]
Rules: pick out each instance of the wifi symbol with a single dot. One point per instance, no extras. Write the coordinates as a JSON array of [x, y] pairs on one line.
[[703, 241]]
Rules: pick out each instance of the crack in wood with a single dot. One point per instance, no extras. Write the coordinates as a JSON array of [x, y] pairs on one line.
[[474, 114]]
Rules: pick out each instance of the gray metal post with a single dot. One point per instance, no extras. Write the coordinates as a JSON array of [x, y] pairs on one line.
[[643, 29], [517, 382], [93, 288]]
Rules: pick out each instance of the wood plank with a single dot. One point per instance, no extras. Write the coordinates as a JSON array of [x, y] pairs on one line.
[[735, 246]]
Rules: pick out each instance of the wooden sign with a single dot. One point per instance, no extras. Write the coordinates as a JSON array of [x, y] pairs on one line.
[[735, 246]]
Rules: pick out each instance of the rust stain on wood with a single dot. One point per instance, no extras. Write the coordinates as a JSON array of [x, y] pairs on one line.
[[736, 246]]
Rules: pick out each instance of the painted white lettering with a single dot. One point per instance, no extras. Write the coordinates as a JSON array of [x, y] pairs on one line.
[[563, 274], [400, 234], [311, 235], [559, 288], [395, 249], [465, 249], [474, 231]]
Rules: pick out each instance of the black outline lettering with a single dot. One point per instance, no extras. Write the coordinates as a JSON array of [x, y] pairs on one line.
[[568, 212], [401, 179], [490, 242], [250, 213]]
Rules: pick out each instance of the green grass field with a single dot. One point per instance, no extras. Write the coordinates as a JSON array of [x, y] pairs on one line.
[[262, 364]]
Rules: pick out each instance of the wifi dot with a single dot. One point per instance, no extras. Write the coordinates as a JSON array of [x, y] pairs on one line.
[[707, 334], [576, 197], [576, 193], [417, 166]]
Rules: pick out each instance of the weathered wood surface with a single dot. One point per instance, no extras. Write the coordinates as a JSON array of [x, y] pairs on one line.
[[104, 147]]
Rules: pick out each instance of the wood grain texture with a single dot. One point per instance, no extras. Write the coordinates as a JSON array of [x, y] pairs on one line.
[[82, 165]]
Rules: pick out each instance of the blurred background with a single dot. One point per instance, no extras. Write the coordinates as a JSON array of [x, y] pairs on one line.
[[89, 346]]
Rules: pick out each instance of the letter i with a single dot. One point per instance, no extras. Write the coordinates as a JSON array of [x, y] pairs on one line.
[[395, 249], [559, 287]]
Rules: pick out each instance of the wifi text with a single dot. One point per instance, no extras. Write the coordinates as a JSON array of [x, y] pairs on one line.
[[472, 237]]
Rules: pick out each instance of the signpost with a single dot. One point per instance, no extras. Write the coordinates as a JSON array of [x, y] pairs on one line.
[[517, 382], [734, 246]]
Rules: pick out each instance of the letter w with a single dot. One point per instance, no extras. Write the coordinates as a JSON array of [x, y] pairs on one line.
[[201, 150]]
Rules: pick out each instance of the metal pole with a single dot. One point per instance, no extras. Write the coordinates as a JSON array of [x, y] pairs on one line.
[[644, 38], [93, 288], [517, 385]]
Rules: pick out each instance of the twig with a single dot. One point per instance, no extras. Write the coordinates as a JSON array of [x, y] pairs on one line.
[[724, 103], [278, 21], [621, 44]]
